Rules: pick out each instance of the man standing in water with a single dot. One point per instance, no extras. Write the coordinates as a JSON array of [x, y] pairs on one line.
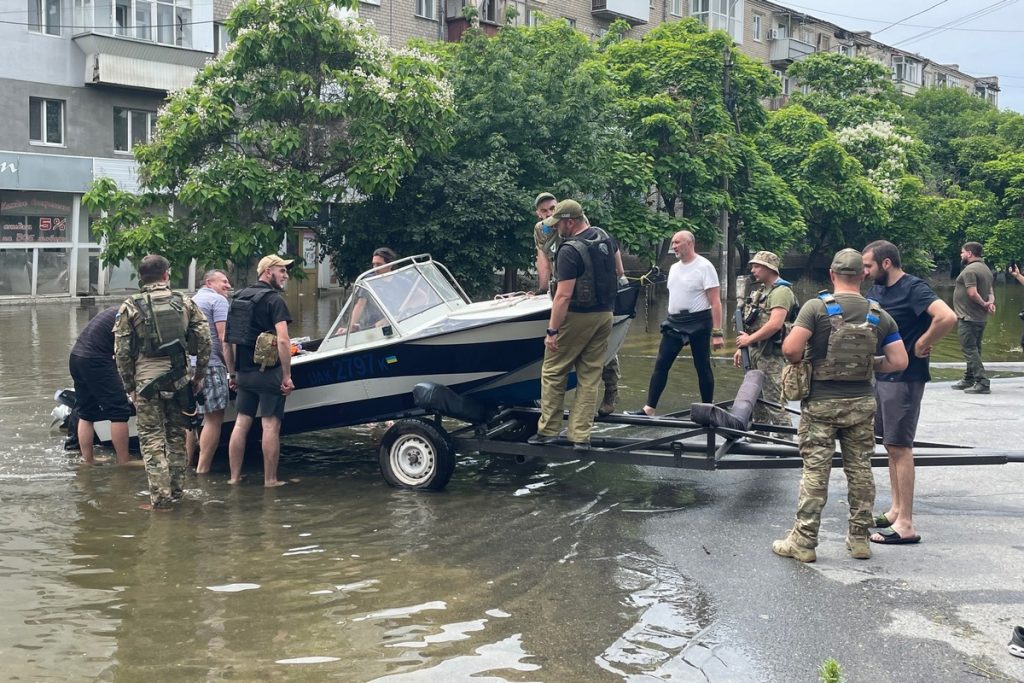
[[973, 302], [155, 332], [263, 382], [923, 319], [694, 318], [212, 301]]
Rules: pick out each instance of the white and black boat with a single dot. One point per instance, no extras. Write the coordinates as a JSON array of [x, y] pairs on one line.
[[412, 325]]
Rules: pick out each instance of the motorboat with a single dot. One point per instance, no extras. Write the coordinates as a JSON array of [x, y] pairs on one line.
[[410, 323]]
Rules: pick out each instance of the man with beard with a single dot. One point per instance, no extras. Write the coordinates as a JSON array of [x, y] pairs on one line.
[[923, 319], [258, 324], [973, 301]]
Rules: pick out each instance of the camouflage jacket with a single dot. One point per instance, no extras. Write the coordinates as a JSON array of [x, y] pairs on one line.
[[136, 369]]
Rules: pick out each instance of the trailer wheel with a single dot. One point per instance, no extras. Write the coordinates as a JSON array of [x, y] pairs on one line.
[[416, 454]]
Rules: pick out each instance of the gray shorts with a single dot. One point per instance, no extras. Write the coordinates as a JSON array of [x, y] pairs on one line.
[[897, 409], [215, 386], [259, 393]]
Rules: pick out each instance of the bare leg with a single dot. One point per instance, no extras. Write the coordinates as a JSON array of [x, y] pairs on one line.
[[119, 437], [271, 450], [902, 477], [236, 447], [85, 437], [209, 439], [190, 447]]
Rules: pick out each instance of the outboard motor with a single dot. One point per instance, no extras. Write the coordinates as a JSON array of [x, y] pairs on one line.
[[65, 413]]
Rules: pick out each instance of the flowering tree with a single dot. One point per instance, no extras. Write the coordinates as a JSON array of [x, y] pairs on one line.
[[303, 108], [886, 154]]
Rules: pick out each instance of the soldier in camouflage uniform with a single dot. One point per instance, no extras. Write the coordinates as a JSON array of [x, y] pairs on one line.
[[154, 332], [546, 241], [848, 339], [765, 314]]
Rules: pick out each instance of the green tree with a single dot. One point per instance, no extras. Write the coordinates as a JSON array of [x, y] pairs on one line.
[[302, 109], [845, 91], [535, 112]]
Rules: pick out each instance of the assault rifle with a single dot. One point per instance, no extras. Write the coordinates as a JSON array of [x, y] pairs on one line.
[[744, 352]]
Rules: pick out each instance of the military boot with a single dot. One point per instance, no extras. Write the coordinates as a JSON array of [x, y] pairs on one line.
[[611, 397], [787, 547], [858, 547]]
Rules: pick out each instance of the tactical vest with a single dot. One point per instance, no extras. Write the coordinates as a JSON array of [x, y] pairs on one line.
[[851, 346], [598, 284], [756, 313], [241, 323], [164, 321]]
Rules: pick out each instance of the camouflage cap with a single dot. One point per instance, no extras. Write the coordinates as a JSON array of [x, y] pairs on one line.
[[270, 262], [847, 262], [767, 259], [567, 208], [542, 197]]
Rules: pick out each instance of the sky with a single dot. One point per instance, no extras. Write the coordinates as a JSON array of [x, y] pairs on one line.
[[988, 45]]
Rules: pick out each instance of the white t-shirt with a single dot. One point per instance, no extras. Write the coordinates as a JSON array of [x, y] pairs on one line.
[[688, 284]]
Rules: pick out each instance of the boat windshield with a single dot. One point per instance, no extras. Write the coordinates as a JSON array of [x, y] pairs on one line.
[[393, 303]]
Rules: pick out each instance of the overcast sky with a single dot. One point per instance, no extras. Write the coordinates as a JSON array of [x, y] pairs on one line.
[[989, 45]]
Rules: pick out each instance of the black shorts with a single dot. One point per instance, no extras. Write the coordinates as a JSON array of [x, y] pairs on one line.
[[259, 393], [897, 409], [98, 390]]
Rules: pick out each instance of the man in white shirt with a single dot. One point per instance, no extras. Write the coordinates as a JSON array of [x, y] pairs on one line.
[[694, 318]]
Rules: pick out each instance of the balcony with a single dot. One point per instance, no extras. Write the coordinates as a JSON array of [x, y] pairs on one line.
[[129, 63], [785, 51], [634, 11]]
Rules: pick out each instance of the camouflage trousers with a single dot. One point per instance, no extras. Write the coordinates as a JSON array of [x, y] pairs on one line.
[[161, 427], [851, 420], [610, 375], [771, 366]]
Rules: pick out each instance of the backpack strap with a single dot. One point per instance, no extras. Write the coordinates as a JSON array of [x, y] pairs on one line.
[[832, 308]]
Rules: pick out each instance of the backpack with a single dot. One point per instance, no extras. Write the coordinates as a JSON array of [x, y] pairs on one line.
[[598, 285], [851, 346], [241, 325]]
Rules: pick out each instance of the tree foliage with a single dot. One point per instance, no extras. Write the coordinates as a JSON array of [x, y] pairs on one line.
[[301, 109], [845, 91]]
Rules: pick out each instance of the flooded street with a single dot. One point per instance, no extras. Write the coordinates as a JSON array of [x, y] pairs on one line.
[[513, 573]]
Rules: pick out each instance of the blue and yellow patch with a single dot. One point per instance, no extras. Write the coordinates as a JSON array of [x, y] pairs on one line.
[[391, 360]]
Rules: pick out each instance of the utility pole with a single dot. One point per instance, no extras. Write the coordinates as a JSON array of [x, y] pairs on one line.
[[723, 214]]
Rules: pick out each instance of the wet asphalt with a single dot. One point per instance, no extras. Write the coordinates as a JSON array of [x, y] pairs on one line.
[[941, 610]]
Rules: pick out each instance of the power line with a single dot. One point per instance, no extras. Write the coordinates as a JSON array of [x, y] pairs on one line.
[[882, 21], [897, 23], [988, 9]]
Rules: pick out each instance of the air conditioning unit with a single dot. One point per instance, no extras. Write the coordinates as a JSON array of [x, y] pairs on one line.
[[776, 34]]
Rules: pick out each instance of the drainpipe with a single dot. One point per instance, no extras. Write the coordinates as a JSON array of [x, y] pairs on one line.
[[442, 7]]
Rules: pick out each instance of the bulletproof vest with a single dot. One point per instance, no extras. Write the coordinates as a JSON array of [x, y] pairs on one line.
[[241, 323], [598, 284], [851, 346], [756, 312], [164, 321]]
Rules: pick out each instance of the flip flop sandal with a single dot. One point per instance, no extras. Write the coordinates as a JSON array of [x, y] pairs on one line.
[[890, 537], [1016, 645]]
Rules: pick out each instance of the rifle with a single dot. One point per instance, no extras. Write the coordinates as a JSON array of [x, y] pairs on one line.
[[744, 352]]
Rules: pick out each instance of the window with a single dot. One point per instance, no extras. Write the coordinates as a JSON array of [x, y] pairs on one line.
[[46, 121], [489, 11], [847, 50], [162, 21], [132, 127], [44, 16], [570, 21], [906, 70], [724, 15], [221, 38], [953, 82], [425, 9], [755, 27], [677, 8]]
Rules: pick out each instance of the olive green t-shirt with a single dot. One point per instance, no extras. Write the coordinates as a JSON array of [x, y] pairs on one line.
[[780, 296], [813, 317], [975, 274]]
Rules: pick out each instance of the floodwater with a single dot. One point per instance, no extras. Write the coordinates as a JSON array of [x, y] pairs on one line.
[[513, 573]]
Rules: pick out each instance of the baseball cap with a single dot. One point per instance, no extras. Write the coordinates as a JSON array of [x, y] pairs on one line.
[[270, 262], [847, 262], [542, 197], [567, 208], [767, 259]]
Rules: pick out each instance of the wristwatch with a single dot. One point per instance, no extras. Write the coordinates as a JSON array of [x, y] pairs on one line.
[[552, 331]]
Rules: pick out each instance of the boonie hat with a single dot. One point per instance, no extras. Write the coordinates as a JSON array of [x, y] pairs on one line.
[[270, 262], [847, 262], [767, 259], [542, 197], [567, 208]]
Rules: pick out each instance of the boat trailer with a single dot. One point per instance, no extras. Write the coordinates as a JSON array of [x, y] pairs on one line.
[[419, 452]]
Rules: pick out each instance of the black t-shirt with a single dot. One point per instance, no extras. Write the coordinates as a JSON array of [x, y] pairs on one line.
[[569, 266], [907, 301], [269, 311], [97, 339]]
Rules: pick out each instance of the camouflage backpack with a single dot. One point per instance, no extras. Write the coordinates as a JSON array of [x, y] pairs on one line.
[[851, 346], [265, 353]]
